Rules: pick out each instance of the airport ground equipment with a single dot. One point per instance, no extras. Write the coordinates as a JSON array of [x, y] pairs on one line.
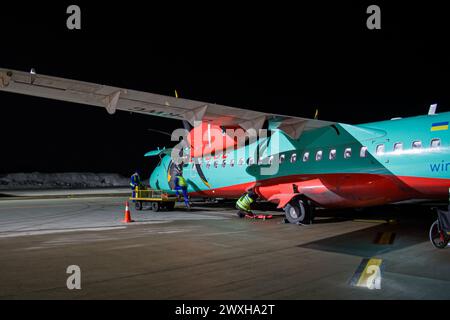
[[156, 199]]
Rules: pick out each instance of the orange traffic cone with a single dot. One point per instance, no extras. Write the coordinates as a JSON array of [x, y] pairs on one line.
[[127, 217]]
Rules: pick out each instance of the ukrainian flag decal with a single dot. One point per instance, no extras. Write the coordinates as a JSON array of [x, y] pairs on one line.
[[439, 126]]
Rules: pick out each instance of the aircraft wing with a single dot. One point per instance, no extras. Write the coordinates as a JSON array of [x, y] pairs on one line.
[[114, 98]]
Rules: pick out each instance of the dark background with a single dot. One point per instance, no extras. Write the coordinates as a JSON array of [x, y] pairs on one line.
[[284, 57]]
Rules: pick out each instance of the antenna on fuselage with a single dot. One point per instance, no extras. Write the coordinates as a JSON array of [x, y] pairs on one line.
[[432, 109]]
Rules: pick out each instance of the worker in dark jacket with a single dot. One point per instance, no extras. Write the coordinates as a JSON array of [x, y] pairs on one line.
[[135, 182], [181, 185]]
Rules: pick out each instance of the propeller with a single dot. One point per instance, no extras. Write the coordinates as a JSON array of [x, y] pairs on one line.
[[197, 165]]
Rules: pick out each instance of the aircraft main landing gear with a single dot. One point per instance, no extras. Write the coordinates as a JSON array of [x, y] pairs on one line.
[[299, 211]]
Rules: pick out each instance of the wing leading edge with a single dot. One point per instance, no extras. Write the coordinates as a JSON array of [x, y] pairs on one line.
[[114, 98]]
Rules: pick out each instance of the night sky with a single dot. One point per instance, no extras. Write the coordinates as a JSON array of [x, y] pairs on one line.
[[275, 57]]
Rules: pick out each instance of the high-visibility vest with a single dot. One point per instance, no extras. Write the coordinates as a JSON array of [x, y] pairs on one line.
[[135, 180], [181, 181], [244, 202]]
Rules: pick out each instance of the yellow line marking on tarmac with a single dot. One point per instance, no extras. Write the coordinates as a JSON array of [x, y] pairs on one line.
[[370, 221], [368, 274], [364, 278], [384, 238]]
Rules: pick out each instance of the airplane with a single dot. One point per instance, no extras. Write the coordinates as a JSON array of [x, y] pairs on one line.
[[311, 163]]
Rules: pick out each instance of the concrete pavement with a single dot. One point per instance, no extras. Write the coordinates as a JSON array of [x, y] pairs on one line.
[[209, 253]]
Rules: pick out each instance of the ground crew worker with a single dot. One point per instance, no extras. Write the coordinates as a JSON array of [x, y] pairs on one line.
[[180, 184], [135, 182], [243, 204]]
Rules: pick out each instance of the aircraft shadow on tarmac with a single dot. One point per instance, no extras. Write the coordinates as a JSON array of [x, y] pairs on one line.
[[407, 228]]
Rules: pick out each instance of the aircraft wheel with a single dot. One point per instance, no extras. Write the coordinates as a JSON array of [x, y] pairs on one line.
[[437, 237], [155, 206], [297, 211], [138, 205]]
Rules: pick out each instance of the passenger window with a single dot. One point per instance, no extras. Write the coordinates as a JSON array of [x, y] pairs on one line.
[[241, 161], [417, 144], [305, 156], [232, 163], [380, 149], [250, 161], [398, 147], [319, 155], [363, 152], [293, 158], [347, 153], [208, 165], [435, 143], [216, 164], [332, 155], [270, 160], [224, 163], [282, 158]]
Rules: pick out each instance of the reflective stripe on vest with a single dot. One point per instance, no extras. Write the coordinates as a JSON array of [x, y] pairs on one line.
[[244, 202], [181, 181], [135, 180]]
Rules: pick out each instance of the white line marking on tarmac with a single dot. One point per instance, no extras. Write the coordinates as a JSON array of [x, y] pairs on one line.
[[42, 232], [34, 207]]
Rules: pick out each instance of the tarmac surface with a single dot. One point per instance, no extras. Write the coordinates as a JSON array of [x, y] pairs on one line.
[[63, 193], [209, 253]]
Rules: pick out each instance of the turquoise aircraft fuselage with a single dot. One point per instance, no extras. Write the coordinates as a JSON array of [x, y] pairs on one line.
[[303, 164], [335, 166]]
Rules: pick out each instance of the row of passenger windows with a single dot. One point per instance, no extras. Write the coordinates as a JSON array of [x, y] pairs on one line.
[[398, 146], [332, 154]]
